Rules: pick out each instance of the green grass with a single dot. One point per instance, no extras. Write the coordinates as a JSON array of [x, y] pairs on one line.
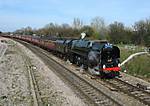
[[139, 66], [127, 50]]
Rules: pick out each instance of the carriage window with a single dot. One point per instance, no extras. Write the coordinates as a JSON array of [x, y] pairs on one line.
[[97, 46]]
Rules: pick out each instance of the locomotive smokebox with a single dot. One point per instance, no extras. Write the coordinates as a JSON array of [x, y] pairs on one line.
[[93, 58]]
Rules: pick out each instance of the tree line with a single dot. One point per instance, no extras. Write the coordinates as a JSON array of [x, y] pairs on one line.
[[116, 32]]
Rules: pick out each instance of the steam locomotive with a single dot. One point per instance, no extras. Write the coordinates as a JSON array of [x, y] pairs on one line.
[[98, 57]]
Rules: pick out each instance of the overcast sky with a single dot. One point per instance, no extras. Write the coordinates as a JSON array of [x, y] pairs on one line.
[[15, 14]]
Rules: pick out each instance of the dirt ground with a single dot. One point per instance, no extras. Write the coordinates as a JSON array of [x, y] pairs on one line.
[[14, 87], [14, 82]]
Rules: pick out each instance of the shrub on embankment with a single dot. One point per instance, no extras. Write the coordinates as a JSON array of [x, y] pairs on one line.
[[138, 66]]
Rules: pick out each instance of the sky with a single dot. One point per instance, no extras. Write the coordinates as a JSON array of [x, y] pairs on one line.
[[16, 14]]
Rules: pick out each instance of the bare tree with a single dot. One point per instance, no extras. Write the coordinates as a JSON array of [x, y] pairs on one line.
[[142, 32], [77, 23], [65, 26], [99, 26], [97, 23]]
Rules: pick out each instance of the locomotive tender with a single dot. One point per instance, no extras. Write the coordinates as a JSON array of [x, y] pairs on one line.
[[96, 56]]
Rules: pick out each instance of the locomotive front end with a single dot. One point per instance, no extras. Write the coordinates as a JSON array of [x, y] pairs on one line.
[[110, 64], [103, 59]]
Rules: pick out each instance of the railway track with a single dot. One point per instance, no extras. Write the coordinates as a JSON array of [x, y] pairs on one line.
[[37, 101], [117, 84], [134, 91], [95, 96]]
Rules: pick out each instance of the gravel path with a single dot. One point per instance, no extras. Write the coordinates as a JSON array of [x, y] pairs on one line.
[[14, 87], [53, 90], [14, 81]]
